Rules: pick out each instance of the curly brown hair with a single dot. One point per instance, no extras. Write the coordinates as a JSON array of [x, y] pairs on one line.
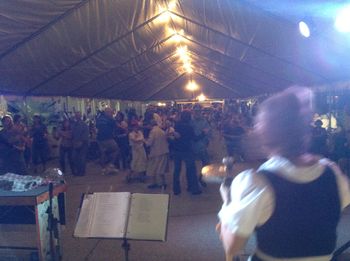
[[283, 123]]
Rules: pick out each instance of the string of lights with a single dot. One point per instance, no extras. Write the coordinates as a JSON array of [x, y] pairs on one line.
[[182, 50]]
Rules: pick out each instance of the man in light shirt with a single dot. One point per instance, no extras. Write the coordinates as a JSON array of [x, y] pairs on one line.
[[158, 156]]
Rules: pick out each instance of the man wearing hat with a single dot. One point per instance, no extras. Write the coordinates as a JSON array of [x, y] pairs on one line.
[[106, 127]]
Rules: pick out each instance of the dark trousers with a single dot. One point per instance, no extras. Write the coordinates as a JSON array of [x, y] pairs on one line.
[[66, 152], [191, 176], [124, 156], [79, 160], [203, 156], [39, 154], [13, 162], [27, 155], [256, 258], [234, 149]]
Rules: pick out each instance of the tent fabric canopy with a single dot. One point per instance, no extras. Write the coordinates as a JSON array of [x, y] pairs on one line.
[[122, 49]]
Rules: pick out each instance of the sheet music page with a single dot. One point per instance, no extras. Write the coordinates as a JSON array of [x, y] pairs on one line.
[[84, 219], [110, 214], [148, 216]]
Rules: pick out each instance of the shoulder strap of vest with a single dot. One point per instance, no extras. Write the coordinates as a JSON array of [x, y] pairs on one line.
[[268, 174]]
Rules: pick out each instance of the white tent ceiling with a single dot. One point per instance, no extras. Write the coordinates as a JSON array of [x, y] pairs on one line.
[[123, 49]]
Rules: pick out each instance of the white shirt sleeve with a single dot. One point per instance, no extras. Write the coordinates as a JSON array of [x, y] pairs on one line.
[[151, 138], [252, 202]]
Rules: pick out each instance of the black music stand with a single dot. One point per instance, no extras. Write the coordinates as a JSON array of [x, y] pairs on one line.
[[52, 227], [129, 227], [126, 247], [340, 250]]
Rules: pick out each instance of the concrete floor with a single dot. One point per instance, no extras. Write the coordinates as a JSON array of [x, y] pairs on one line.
[[191, 227]]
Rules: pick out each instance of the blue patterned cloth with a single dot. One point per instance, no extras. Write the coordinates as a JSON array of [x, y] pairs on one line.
[[19, 183]]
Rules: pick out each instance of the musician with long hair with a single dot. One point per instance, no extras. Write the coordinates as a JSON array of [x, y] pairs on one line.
[[294, 200]]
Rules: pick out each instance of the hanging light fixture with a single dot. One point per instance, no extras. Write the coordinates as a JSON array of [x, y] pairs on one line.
[[342, 21], [164, 17], [192, 86], [164, 12], [304, 29], [188, 68], [181, 51], [172, 5], [176, 36], [184, 56], [201, 97]]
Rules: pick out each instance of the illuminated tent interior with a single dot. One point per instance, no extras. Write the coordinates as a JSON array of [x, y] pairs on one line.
[[149, 50], [129, 49]]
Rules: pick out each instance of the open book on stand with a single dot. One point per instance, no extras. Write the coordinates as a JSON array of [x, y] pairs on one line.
[[123, 215]]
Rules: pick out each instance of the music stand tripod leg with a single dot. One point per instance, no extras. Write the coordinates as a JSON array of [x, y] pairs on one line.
[[340, 250], [126, 247], [52, 227]]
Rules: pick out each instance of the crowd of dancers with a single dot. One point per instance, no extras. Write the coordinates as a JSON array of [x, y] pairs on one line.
[[141, 146]]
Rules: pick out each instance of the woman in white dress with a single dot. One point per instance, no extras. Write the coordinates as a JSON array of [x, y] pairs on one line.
[[139, 158]]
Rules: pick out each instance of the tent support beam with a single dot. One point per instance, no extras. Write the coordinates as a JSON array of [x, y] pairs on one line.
[[217, 83], [42, 29], [93, 53], [130, 88], [235, 59], [163, 87], [248, 45], [225, 68], [121, 65], [132, 76]]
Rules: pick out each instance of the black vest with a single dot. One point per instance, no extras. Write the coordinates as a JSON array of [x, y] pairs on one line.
[[305, 217]]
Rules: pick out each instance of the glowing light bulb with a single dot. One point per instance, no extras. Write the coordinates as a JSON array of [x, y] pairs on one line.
[[189, 70], [181, 51], [185, 59], [172, 5], [171, 31], [201, 97], [192, 86], [164, 17], [342, 21], [177, 38], [188, 67], [181, 32], [304, 29]]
